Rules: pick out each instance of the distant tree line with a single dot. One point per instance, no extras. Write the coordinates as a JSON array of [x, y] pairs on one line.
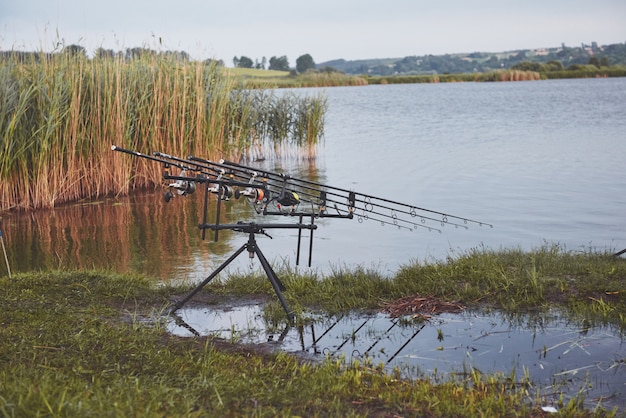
[[480, 62], [304, 63], [102, 53]]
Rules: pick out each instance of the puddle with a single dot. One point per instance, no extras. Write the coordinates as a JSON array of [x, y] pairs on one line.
[[557, 356]]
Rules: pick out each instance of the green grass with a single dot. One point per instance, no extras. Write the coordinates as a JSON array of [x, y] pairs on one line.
[[269, 79], [253, 72], [94, 343], [591, 286]]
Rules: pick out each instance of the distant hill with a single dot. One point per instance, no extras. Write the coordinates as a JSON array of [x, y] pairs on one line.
[[614, 54]]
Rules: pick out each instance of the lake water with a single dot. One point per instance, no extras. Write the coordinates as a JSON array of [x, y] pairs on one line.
[[543, 161]]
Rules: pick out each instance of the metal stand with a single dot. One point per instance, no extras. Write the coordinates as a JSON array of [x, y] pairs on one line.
[[252, 247]]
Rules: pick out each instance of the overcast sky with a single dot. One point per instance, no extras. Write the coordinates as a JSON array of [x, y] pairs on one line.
[[325, 29]]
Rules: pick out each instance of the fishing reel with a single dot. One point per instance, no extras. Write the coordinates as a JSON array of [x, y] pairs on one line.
[[223, 191], [288, 198], [286, 201], [180, 187], [255, 196]]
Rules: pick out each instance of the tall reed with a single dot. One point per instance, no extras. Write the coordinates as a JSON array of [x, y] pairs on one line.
[[59, 115]]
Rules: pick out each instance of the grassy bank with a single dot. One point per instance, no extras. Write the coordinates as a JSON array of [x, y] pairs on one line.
[[60, 114], [253, 78], [91, 344], [503, 75], [590, 286]]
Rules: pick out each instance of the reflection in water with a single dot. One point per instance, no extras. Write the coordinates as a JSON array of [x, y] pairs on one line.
[[139, 233], [558, 356]]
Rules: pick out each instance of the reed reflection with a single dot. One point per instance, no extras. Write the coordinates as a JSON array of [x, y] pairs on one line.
[[138, 233]]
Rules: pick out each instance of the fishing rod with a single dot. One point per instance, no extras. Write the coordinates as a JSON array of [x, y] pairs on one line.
[[274, 194], [370, 200], [321, 195]]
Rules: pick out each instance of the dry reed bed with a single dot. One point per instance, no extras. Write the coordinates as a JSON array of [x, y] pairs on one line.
[[59, 116], [420, 307], [501, 75]]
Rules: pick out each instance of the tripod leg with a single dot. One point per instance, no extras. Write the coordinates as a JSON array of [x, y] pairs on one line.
[[191, 294], [276, 283]]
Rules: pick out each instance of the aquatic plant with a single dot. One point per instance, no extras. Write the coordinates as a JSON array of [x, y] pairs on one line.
[[60, 113]]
